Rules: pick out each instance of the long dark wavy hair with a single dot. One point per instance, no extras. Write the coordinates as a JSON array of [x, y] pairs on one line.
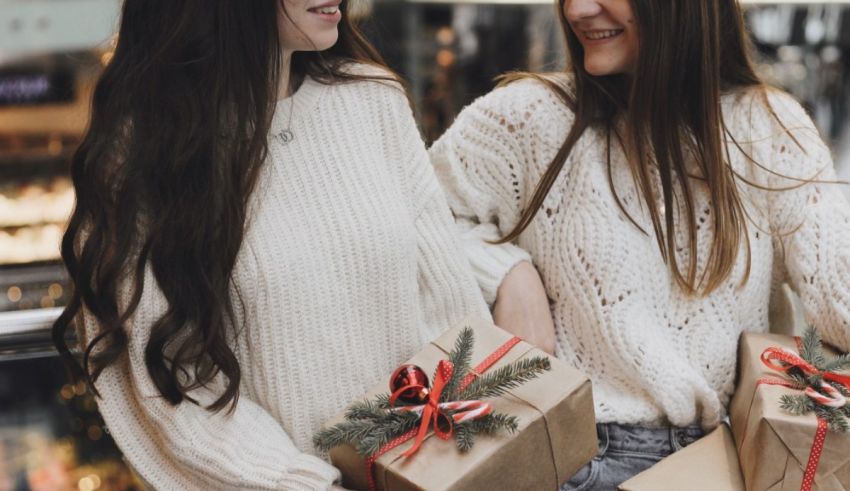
[[691, 53], [163, 176]]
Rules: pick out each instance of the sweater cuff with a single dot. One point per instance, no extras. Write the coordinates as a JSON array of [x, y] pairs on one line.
[[491, 262], [311, 473]]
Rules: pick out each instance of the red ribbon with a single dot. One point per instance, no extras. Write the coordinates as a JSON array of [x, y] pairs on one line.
[[783, 360], [431, 410], [432, 415]]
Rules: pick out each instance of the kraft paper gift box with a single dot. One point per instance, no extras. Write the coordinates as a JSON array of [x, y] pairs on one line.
[[709, 464], [774, 445], [556, 434]]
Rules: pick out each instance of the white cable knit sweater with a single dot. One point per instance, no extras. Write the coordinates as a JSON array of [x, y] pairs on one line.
[[654, 354], [349, 265]]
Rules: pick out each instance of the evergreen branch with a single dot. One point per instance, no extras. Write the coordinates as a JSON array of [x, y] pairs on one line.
[[383, 401], [840, 388], [461, 357], [799, 380], [839, 423], [812, 349], [465, 433], [797, 404], [840, 362], [369, 433], [380, 435], [464, 437], [494, 423], [342, 433], [365, 410], [834, 418], [499, 381]]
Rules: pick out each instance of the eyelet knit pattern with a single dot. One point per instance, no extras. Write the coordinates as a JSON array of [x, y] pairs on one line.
[[349, 265], [655, 355]]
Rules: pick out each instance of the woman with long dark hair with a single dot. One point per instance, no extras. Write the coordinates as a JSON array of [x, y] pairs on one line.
[[663, 194], [258, 238]]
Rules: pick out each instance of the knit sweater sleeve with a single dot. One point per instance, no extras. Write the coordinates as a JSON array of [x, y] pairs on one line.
[[447, 288], [186, 446], [812, 219], [481, 162]]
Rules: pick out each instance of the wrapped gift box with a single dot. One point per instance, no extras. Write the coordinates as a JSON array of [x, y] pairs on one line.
[[709, 464], [774, 445], [556, 434]]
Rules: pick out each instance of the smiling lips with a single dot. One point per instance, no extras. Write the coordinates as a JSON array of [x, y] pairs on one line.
[[601, 35], [329, 10]]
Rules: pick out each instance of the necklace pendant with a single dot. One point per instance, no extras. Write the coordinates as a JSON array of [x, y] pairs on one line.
[[285, 136]]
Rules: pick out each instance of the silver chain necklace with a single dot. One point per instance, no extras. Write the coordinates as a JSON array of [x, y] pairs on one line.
[[286, 135]]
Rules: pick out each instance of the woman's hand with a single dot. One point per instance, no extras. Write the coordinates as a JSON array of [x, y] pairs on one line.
[[522, 307]]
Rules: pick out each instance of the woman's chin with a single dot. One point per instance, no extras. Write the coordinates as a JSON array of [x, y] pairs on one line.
[[602, 68], [326, 41]]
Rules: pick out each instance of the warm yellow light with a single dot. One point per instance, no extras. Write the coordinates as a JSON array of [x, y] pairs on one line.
[[66, 392], [445, 36], [14, 294], [85, 484], [94, 432], [55, 290], [445, 58]]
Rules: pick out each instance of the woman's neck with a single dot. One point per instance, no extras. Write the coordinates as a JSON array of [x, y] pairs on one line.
[[288, 83]]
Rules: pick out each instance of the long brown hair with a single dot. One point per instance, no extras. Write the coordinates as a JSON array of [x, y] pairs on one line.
[[691, 52], [163, 177]]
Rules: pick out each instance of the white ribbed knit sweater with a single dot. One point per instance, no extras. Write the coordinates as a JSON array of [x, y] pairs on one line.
[[349, 265], [654, 354]]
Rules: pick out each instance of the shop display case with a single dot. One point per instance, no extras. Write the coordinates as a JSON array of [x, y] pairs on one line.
[[51, 435]]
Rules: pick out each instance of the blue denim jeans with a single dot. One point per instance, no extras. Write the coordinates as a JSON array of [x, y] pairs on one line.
[[625, 451]]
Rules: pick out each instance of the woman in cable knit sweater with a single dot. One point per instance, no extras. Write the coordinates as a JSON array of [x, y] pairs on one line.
[[259, 237], [663, 194]]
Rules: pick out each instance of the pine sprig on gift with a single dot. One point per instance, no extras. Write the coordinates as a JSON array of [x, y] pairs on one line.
[[500, 381], [367, 434], [400, 423], [812, 351], [345, 432], [365, 410], [798, 379], [461, 357], [465, 433], [839, 363], [383, 401], [464, 437], [797, 405]]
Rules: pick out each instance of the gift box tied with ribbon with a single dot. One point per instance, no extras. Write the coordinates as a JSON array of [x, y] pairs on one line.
[[544, 424], [790, 414]]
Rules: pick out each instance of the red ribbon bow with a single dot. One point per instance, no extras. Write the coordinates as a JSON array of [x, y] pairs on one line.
[[433, 412], [477, 371], [784, 360]]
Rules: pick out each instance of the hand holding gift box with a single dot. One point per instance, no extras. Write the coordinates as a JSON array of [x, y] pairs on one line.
[[789, 414], [540, 423]]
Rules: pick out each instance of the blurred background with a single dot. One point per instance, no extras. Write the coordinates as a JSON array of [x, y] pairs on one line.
[[51, 52]]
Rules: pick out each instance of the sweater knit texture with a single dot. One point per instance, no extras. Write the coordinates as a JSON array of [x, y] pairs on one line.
[[350, 264], [655, 355]]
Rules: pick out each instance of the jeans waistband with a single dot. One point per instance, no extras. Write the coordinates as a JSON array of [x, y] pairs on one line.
[[662, 440]]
